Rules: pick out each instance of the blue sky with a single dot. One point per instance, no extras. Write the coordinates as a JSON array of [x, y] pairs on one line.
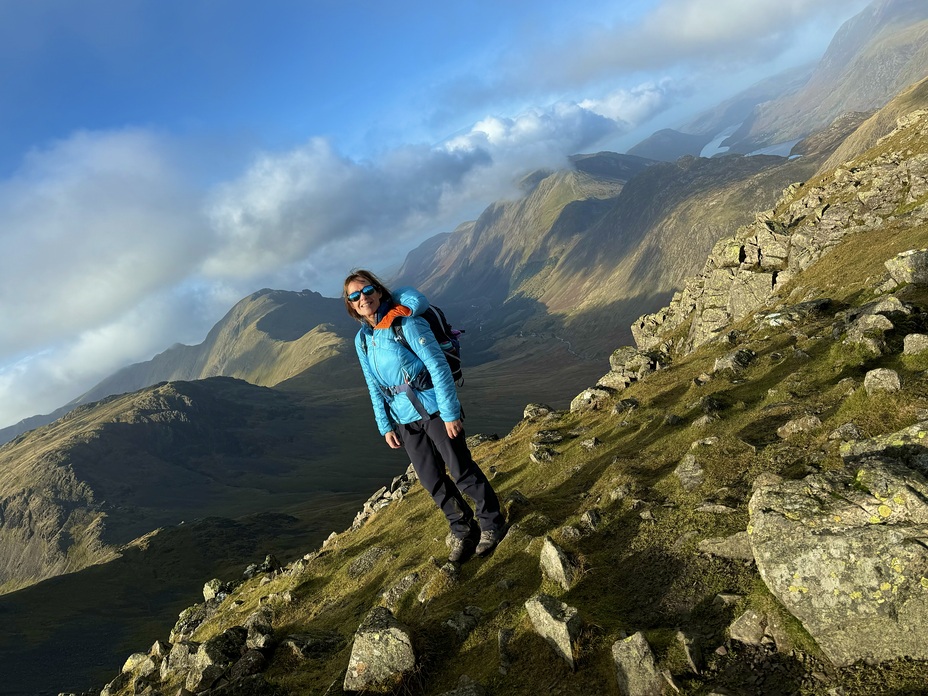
[[161, 159]]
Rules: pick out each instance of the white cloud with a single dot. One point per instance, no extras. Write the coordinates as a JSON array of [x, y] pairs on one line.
[[58, 373], [90, 226], [673, 37]]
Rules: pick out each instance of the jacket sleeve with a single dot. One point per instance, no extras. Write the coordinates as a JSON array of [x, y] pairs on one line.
[[412, 298], [384, 424], [422, 342]]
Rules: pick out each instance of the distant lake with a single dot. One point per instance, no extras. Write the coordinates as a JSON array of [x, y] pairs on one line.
[[715, 147]]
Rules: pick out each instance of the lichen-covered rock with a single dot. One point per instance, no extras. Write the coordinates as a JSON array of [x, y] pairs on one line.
[[536, 411], [590, 399], [915, 344], [260, 630], [636, 671], [382, 655], [749, 628], [735, 361], [556, 622], [836, 550], [214, 658], [909, 267], [190, 618], [882, 380], [736, 547], [393, 594], [556, 565], [803, 424], [689, 472], [178, 662]]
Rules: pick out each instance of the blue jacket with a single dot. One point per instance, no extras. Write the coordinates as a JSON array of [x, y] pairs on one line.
[[386, 363]]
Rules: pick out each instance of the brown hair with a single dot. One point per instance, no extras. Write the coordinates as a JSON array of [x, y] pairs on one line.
[[367, 278]]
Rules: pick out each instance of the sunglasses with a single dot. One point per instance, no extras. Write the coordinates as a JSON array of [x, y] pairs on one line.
[[367, 290]]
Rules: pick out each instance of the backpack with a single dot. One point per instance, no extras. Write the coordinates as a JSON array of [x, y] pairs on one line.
[[446, 336]]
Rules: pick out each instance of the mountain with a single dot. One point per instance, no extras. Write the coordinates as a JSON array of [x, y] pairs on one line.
[[73, 492], [579, 257], [873, 56], [736, 506], [264, 339]]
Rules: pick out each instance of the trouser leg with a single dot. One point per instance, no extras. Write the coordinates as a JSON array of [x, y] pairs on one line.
[[430, 468], [468, 478]]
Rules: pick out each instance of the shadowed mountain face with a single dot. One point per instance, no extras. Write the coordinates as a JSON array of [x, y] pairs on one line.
[[72, 492]]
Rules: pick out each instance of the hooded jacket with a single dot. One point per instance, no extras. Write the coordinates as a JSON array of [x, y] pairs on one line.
[[387, 364]]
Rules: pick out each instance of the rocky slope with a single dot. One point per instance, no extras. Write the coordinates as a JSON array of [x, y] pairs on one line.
[[736, 507]]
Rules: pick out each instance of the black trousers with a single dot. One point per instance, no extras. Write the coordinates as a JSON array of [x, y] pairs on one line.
[[446, 469]]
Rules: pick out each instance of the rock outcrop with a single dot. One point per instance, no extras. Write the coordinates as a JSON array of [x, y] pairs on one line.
[[843, 551], [745, 271]]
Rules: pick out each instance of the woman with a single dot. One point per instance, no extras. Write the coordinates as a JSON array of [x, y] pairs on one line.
[[416, 406]]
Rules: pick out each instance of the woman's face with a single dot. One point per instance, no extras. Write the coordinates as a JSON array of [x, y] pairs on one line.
[[366, 305]]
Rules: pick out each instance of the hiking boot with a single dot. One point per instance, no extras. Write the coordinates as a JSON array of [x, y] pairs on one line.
[[461, 549], [489, 538]]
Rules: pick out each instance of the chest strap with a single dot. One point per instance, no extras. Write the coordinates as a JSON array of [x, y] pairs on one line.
[[421, 382]]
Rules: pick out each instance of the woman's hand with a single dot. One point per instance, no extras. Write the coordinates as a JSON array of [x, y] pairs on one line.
[[393, 440], [454, 428]]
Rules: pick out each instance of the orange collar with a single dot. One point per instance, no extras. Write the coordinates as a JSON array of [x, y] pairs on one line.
[[398, 311]]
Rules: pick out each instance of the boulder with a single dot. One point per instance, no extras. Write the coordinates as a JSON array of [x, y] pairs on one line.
[[214, 658], [536, 411], [837, 550], [734, 362], [557, 566], [915, 344], [252, 662], [117, 685], [635, 669], [190, 618], [556, 622], [179, 660], [260, 630], [134, 661], [736, 547], [881, 380], [689, 472], [382, 656], [803, 424], [909, 267], [590, 399], [749, 628]]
